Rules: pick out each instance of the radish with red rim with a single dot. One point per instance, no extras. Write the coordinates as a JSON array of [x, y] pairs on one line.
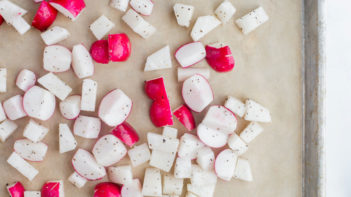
[[211, 137], [99, 51], [101, 26], [70, 107], [57, 58], [16, 189], [69, 8], [22, 166], [190, 54], [119, 47], [235, 105], [7, 127], [86, 166], [45, 16], [126, 133], [87, 127], [29, 150], [13, 108], [155, 89], [52, 189], [161, 113], [54, 35], [82, 63], [107, 189], [25, 79], [220, 58], [184, 115], [225, 164]]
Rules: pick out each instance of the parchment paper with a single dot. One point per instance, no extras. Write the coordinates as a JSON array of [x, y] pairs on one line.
[[268, 64]]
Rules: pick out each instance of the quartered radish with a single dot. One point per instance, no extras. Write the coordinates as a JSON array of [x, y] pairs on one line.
[[205, 158], [184, 115], [237, 144], [101, 26], [70, 107], [69, 8], [184, 73], [183, 13], [99, 51], [22, 166], [87, 127], [252, 20], [189, 146], [190, 54], [54, 35], [13, 108], [120, 5], [144, 7], [161, 113], [109, 150], [225, 164], [161, 143], [89, 91], [182, 168], [211, 136], [132, 189], [138, 24], [160, 59], [172, 185], [86, 166], [200, 190], [53, 189], [107, 189], [16, 190], [236, 106], [221, 119], [155, 89], [25, 79], [35, 131], [251, 132], [225, 11], [55, 85], [20, 24], [2, 113], [120, 174], [139, 154], [119, 47], [203, 25], [67, 142], [152, 182], [256, 112], [32, 194], [170, 132], [3, 79], [44, 17], [197, 93], [220, 57], [82, 62], [162, 160], [201, 177], [126, 133], [77, 180], [243, 170], [7, 127], [29, 150], [57, 58]]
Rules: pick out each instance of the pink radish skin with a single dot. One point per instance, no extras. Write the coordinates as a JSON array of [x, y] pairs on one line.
[[119, 47], [126, 133], [25, 79], [221, 119], [52, 189], [16, 190], [13, 108], [220, 59], [155, 89], [99, 51], [107, 189], [184, 115], [211, 137], [161, 114], [44, 17], [197, 56], [69, 8]]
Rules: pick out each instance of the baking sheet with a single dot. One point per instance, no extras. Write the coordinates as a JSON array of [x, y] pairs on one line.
[[268, 70]]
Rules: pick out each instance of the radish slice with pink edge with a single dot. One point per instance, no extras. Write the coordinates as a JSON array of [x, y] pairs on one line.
[[211, 137], [184, 115], [16, 189], [29, 150], [197, 93], [70, 107], [190, 54], [132, 189], [87, 127], [52, 189], [144, 7], [69, 8], [13, 108], [221, 119], [25, 79], [57, 58], [99, 51], [86, 166], [225, 164]]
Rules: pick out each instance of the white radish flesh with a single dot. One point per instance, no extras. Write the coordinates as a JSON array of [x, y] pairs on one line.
[[20, 25], [120, 174], [29, 150], [22, 166], [243, 170], [211, 137], [170, 132], [138, 24], [162, 160], [236, 106], [172, 185], [77, 180], [120, 5], [139, 154], [86, 166], [69, 8], [252, 20], [189, 194], [251, 132], [132, 189], [201, 177], [54, 35], [67, 142], [2, 113], [9, 10], [205, 158], [220, 118], [202, 191], [25, 79], [190, 54], [13, 108], [189, 146], [160, 59], [144, 7], [203, 25], [82, 62], [184, 73], [237, 144], [32, 194], [256, 112], [70, 107], [225, 164], [3, 79], [109, 150], [101, 26], [7, 127], [161, 143], [225, 11], [152, 182], [183, 13], [87, 127], [57, 58], [182, 168], [55, 85], [34, 131], [89, 91]]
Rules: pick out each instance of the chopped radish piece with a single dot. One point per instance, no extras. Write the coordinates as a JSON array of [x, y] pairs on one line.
[[66, 140], [37, 1], [139, 154], [22, 166], [225, 11], [220, 58], [70, 107], [126, 133], [1, 20], [161, 113], [237, 144], [109, 150], [189, 194], [243, 170], [25, 79], [144, 7], [197, 93], [138, 24], [121, 5], [221, 119], [29, 150], [170, 132], [184, 73], [201, 190], [115, 107], [205, 158], [101, 26], [160, 59], [99, 51], [190, 54], [16, 190], [256, 112], [57, 58], [89, 91], [161, 143], [9, 10], [3, 79], [20, 25], [77, 180], [82, 63], [34, 131], [87, 127], [225, 164], [201, 177], [86, 166], [53, 189], [119, 47], [182, 168], [162, 160], [13, 107], [251, 132], [203, 25], [189, 146], [120, 174], [184, 115], [172, 185], [252, 20], [152, 182], [132, 189], [107, 189], [70, 8], [183, 13], [54, 35], [7, 127], [44, 17], [32, 194], [211, 136], [155, 89], [55, 85], [236, 106], [2, 113]]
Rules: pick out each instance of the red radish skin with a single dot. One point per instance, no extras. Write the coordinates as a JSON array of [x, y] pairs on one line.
[[160, 113], [184, 115], [155, 89], [74, 7], [126, 133], [16, 190], [51, 189], [99, 51], [119, 47], [44, 17], [107, 189], [220, 59], [1, 20]]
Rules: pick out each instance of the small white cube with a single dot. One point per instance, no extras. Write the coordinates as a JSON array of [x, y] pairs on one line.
[[225, 11], [152, 182], [101, 26], [55, 85], [121, 5], [251, 132], [89, 91], [120, 174], [172, 185], [3, 77], [235, 105], [139, 154], [2, 113], [34, 131], [54, 35], [243, 170], [170, 132], [162, 160], [252, 20], [32, 194], [6, 129], [237, 144], [22, 166], [77, 180], [13, 108]]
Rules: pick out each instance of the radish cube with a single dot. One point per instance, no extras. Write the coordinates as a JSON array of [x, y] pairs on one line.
[[16, 190], [189, 146], [200, 177], [144, 7], [205, 158], [54, 35], [3, 79], [89, 91], [170, 132], [14, 107], [121, 5], [184, 73], [55, 85], [34, 131], [77, 180], [162, 160], [86, 166], [120, 174], [87, 127], [57, 58], [32, 194], [101, 26], [132, 189], [256, 112], [52, 188], [67, 141], [235, 105], [183, 13], [221, 119], [138, 24], [225, 164], [139, 154], [9, 10], [20, 25], [82, 63], [22, 166], [70, 107], [109, 150], [237, 144], [251, 132], [206, 191], [161, 143], [69, 8], [2, 113], [252, 20], [172, 185], [25, 79], [203, 25], [243, 170], [160, 59], [225, 11], [7, 127], [190, 54], [152, 182], [30, 151], [182, 168]]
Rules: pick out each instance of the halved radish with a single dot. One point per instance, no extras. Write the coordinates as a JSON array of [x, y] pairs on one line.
[[16, 190], [109, 150], [67, 142], [99, 51], [138, 24], [205, 158], [183, 13], [201, 177], [25, 79], [161, 113], [171, 185], [101, 26], [55, 85], [152, 182], [13, 108], [139, 154], [22, 166], [243, 170], [115, 107], [220, 58], [161, 143], [155, 89], [235, 105], [160, 59], [57, 58], [190, 54], [189, 146], [120, 174], [119, 47], [144, 7], [211, 136], [32, 194], [35, 131], [29, 150], [182, 168], [225, 11], [70, 8], [132, 189], [107, 189], [126, 133], [7, 127], [82, 62], [251, 131], [184, 115], [256, 112], [53, 189], [237, 144], [221, 119], [87, 127], [70, 107], [86, 166], [121, 5], [203, 25], [89, 91], [44, 17], [225, 164], [184, 73], [252, 20], [162, 160], [197, 93], [54, 35], [77, 180]]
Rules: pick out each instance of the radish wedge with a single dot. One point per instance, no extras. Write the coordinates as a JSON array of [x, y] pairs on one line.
[[55, 85], [109, 150], [13, 108], [77, 180], [120, 174], [184, 115], [243, 170], [3, 79], [52, 189], [126, 133], [161, 114], [57, 58], [225, 164], [119, 47], [70, 8], [225, 11], [155, 89], [237, 144], [252, 20], [138, 24], [101, 26], [67, 141], [54, 35], [44, 17], [220, 58], [183, 13], [221, 119], [22, 166], [190, 54], [197, 93], [7, 127], [99, 51], [88, 99], [70, 107], [107, 189], [120, 5], [25, 79], [211, 136], [203, 25], [205, 158], [144, 7], [172, 185], [29, 150], [132, 189], [189, 146], [35, 131], [160, 59], [82, 63], [16, 190], [251, 132], [236, 106], [184, 73], [139, 154], [152, 182], [86, 166], [256, 112], [87, 127]]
